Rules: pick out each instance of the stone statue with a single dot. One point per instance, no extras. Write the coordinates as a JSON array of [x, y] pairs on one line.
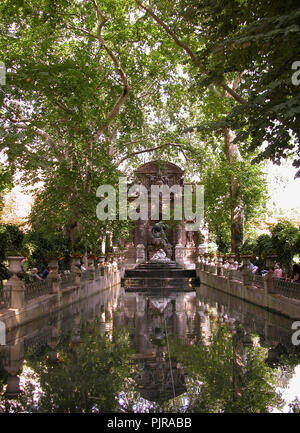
[[158, 231], [190, 239], [159, 237], [160, 257]]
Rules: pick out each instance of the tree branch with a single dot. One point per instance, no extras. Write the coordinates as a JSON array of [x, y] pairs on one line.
[[167, 29], [24, 123], [147, 150], [102, 19], [188, 50]]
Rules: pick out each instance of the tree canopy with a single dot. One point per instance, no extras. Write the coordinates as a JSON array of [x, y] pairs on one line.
[[93, 89]]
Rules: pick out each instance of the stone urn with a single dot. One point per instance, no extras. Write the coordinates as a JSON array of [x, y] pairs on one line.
[[54, 275], [270, 261], [15, 264], [231, 258], [91, 262], [14, 288], [246, 260], [101, 259], [53, 263], [75, 261]]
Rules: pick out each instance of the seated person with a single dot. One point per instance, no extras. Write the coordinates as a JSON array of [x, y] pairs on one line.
[[295, 277], [45, 273], [253, 268], [278, 270], [35, 274]]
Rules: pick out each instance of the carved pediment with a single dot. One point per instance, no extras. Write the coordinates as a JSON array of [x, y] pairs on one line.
[[159, 173]]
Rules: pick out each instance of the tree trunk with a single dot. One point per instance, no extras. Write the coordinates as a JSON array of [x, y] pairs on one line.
[[236, 204]]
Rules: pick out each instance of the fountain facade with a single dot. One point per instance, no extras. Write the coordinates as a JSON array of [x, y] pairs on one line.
[[154, 233]]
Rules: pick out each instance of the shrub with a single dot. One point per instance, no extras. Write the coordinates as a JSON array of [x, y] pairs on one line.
[[285, 240]]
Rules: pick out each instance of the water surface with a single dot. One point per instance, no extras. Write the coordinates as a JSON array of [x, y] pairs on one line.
[[202, 351]]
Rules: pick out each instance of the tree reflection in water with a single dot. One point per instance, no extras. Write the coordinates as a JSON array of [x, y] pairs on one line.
[[86, 376], [90, 370], [229, 373]]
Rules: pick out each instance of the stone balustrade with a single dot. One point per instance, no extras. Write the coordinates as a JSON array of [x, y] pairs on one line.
[[15, 294], [270, 282], [37, 288], [266, 291], [286, 288]]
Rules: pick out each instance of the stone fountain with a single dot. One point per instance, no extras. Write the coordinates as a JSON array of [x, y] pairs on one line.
[[159, 273]]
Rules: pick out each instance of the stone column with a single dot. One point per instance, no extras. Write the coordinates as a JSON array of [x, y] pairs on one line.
[[75, 338], [14, 285], [140, 253], [2, 334], [201, 251], [201, 262], [179, 254], [214, 269], [231, 267], [206, 262], [91, 264], [198, 262], [246, 272], [270, 276], [210, 265], [220, 267], [102, 319], [13, 365], [53, 276], [141, 323], [180, 316], [269, 281], [180, 234], [101, 268], [85, 261], [54, 340], [141, 233], [91, 267], [202, 248], [75, 268], [109, 319]]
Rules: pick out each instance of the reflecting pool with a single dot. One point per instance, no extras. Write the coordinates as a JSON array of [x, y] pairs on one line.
[[198, 351]]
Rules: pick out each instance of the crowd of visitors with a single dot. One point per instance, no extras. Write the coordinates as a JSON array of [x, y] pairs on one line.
[[294, 275], [47, 269]]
